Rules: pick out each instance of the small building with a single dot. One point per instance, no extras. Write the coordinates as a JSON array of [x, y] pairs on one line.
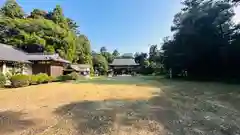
[[53, 65], [123, 66], [82, 69], [28, 63]]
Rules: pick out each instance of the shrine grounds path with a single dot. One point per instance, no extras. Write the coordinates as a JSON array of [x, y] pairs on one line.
[[121, 106]]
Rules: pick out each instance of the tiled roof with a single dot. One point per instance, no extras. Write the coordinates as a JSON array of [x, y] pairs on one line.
[[123, 62], [80, 67], [9, 53], [40, 56]]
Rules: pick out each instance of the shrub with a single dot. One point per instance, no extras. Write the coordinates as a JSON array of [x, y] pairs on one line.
[[33, 79], [51, 79], [42, 78], [2, 80], [63, 78], [74, 76], [19, 80]]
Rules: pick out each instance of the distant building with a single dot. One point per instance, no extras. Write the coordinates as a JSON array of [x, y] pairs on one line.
[[123, 66], [82, 69]]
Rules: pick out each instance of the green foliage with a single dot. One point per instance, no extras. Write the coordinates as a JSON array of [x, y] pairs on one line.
[[63, 78], [20, 80], [2, 80], [42, 78], [12, 9], [74, 76], [103, 50], [37, 13], [51, 30], [115, 53], [205, 41], [100, 64], [83, 50], [33, 79]]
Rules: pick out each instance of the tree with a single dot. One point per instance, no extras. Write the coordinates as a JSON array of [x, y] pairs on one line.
[[50, 31], [100, 64], [103, 49], [38, 13], [83, 50], [12, 9], [153, 52], [115, 53], [202, 32], [141, 58]]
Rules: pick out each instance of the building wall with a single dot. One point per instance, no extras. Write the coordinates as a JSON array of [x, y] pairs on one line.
[[27, 70], [40, 68], [51, 68], [7, 68], [56, 70]]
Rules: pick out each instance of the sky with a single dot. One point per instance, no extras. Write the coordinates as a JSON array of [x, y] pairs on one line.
[[126, 25]]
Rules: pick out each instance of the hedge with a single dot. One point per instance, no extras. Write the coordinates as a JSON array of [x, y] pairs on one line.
[[20, 80], [68, 77], [40, 78], [2, 80]]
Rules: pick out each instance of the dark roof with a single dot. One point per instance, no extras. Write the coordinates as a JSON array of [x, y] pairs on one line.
[[9, 53], [80, 67], [41, 56], [124, 62]]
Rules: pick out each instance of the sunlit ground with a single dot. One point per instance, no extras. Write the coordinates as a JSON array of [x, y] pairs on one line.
[[121, 106]]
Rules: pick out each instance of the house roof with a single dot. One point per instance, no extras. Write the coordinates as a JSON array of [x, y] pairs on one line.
[[80, 67], [10, 53], [123, 62], [41, 56]]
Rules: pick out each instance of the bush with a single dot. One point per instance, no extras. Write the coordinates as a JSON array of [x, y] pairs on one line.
[[63, 78], [42, 78], [74, 76], [19, 80], [51, 79], [33, 79], [2, 80]]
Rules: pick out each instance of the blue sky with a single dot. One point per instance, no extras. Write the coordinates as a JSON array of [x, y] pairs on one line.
[[127, 25]]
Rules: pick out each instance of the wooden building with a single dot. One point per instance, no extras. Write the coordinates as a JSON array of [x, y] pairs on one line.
[[53, 65], [82, 69], [123, 66], [30, 63]]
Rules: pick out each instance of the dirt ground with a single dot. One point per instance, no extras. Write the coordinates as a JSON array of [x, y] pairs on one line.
[[134, 106]]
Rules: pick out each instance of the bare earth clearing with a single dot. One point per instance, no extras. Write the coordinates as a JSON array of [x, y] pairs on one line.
[[126, 106]]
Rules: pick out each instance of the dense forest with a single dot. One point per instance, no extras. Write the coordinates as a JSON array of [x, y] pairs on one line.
[[205, 41], [49, 32]]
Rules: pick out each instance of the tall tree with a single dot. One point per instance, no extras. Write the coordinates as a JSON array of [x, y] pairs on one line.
[[38, 13], [100, 64], [153, 52], [12, 9], [115, 53], [103, 49], [201, 31]]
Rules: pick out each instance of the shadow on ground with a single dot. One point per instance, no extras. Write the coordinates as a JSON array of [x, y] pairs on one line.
[[13, 121], [184, 108]]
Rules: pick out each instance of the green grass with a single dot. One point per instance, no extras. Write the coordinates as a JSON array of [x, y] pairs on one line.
[[136, 80]]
